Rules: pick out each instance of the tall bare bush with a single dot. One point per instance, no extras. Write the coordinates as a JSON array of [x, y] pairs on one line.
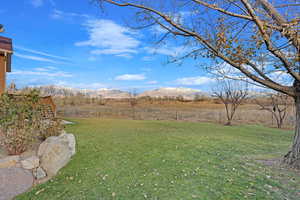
[[232, 94], [277, 104]]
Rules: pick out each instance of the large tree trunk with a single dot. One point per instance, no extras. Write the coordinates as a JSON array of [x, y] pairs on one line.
[[292, 158]]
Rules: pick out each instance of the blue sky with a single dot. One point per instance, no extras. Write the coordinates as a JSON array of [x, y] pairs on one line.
[[76, 45]]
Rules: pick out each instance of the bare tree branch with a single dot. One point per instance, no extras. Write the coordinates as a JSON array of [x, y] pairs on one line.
[[268, 42], [214, 7], [282, 22], [189, 33]]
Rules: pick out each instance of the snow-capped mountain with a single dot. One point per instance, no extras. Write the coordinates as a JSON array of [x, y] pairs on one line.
[[186, 93], [64, 91]]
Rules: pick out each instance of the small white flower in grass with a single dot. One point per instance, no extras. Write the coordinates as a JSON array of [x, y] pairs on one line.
[[104, 177], [38, 192]]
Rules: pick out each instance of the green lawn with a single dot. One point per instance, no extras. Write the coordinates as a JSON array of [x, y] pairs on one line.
[[125, 159]]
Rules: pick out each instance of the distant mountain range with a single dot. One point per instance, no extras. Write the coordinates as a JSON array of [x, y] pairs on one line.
[[186, 93]]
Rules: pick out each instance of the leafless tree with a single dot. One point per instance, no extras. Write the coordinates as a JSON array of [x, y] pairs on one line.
[[233, 34], [278, 105], [232, 94]]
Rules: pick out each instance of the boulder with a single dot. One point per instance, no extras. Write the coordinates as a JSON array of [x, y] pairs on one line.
[[39, 173], [55, 153], [31, 162], [70, 138], [44, 145], [14, 181], [9, 161]]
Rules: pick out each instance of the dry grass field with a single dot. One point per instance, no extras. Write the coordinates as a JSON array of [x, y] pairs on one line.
[[209, 110]]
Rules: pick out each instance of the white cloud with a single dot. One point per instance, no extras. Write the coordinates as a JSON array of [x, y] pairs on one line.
[[45, 69], [228, 71], [167, 50], [110, 38], [39, 76], [41, 53], [84, 86], [197, 80], [58, 14], [36, 58], [42, 73], [131, 77], [37, 3], [281, 77], [95, 85], [125, 55], [152, 82]]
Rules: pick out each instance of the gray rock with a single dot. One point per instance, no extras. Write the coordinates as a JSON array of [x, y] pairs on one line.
[[39, 173], [54, 153], [31, 162], [14, 181], [9, 161], [45, 144], [70, 138]]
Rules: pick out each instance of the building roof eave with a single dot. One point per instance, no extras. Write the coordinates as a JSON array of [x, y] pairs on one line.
[[6, 51]]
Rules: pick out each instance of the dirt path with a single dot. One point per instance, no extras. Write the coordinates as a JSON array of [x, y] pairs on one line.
[[14, 181]]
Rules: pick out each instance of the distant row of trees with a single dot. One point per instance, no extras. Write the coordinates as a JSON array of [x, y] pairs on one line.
[[230, 93]]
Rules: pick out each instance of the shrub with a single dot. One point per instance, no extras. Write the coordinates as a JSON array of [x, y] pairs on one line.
[[49, 127], [22, 123]]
